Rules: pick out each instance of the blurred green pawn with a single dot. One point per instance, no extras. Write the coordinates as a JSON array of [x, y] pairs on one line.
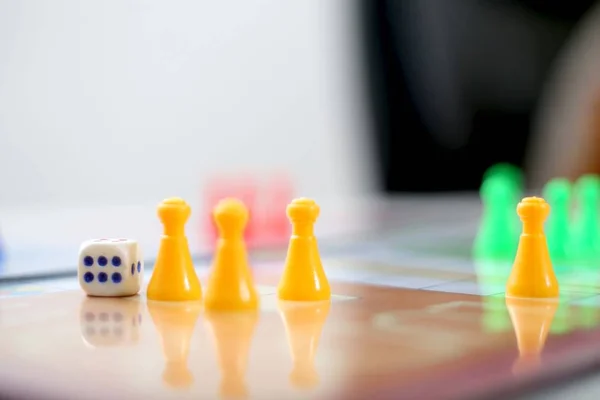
[[498, 235], [509, 172], [514, 176], [561, 323], [586, 234], [496, 318], [588, 316], [557, 193]]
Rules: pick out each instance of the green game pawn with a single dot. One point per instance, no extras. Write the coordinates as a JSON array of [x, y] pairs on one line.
[[562, 319], [496, 318], [557, 193], [514, 176], [491, 282], [586, 231], [509, 172], [588, 315], [498, 236]]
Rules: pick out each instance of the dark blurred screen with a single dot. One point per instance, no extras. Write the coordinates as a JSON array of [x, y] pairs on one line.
[[454, 84]]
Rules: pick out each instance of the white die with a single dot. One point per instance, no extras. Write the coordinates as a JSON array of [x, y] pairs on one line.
[[110, 267]]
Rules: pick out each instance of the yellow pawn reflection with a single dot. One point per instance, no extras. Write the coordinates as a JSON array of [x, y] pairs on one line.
[[304, 324], [531, 321], [107, 322], [232, 334], [175, 323]]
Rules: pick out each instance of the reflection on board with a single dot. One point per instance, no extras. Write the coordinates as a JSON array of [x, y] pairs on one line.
[[304, 324], [232, 334], [175, 323], [531, 319], [110, 321]]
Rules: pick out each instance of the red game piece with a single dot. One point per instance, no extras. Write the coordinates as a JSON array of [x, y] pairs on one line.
[[245, 190], [280, 194], [214, 192]]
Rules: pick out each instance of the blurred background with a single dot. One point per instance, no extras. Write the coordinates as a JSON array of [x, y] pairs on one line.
[[119, 104], [457, 86], [116, 102]]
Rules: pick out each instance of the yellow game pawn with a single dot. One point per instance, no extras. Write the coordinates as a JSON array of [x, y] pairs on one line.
[[174, 277], [304, 324], [175, 323], [303, 277], [232, 335], [532, 274], [230, 285], [532, 320]]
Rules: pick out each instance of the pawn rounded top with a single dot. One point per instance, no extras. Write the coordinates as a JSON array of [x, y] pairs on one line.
[[174, 210], [588, 186], [230, 215], [496, 188], [507, 170], [558, 191], [533, 208], [303, 209]]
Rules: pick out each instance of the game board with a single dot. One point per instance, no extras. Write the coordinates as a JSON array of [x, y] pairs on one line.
[[412, 316]]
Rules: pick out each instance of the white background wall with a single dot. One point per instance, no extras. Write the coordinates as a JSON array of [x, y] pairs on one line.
[[107, 107], [127, 102]]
